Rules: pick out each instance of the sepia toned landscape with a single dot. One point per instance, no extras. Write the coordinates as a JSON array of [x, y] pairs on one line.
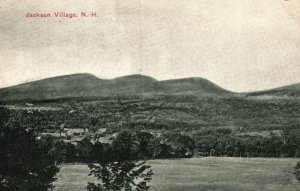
[[192, 134]]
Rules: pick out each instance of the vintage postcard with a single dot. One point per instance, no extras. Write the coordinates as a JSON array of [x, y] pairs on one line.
[[160, 95]]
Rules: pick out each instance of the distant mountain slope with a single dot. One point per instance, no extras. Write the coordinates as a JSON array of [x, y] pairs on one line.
[[84, 85], [290, 90], [57, 87], [200, 85]]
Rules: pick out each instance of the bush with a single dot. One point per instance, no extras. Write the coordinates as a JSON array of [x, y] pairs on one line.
[[297, 171], [26, 163], [117, 176]]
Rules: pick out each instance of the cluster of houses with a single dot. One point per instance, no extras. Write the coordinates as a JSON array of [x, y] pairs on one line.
[[78, 134]]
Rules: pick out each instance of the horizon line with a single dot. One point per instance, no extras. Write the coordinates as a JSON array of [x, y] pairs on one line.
[[137, 74]]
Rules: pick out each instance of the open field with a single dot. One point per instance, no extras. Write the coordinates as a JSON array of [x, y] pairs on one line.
[[214, 174]]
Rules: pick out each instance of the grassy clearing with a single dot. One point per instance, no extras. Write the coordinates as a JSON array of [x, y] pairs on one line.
[[232, 174], [73, 177], [213, 174]]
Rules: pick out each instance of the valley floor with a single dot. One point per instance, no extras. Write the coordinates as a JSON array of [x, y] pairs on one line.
[[211, 174]]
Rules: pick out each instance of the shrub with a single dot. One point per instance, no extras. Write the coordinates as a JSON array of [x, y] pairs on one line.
[[26, 163], [297, 171]]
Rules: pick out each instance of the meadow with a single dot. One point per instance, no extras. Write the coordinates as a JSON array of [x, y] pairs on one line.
[[208, 174]]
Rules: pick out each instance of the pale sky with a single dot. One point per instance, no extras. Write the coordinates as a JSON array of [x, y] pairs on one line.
[[241, 45]]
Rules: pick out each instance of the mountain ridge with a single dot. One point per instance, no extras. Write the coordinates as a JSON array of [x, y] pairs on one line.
[[88, 85]]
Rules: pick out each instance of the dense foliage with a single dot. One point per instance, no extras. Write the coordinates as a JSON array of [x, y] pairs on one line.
[[144, 146], [25, 163], [169, 113]]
